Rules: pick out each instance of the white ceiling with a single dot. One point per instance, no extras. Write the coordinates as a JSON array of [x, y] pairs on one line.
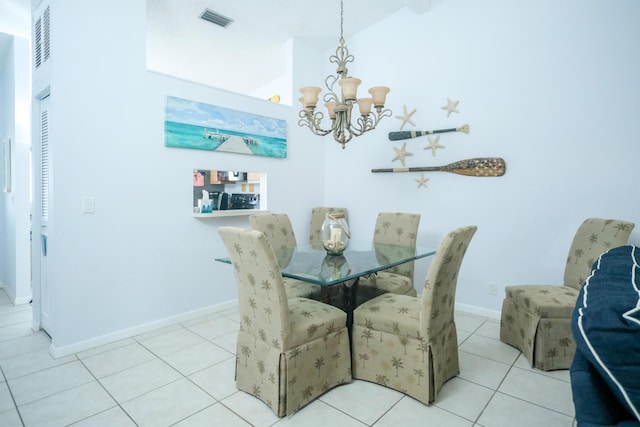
[[250, 51], [274, 21]]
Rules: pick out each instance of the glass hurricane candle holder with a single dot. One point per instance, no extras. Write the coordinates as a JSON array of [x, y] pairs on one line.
[[335, 234]]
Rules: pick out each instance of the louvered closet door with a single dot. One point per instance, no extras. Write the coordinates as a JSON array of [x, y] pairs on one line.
[[41, 226], [45, 290]]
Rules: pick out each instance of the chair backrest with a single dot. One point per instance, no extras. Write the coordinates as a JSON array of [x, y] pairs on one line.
[[439, 293], [317, 218], [277, 227], [262, 300], [398, 228], [594, 237]]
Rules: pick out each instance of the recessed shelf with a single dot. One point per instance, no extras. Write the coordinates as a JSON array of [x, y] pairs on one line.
[[229, 212]]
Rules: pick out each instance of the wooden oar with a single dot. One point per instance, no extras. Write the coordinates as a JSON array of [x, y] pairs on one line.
[[481, 166], [407, 134]]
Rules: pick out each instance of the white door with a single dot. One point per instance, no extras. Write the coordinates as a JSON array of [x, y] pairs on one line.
[[41, 235], [40, 220]]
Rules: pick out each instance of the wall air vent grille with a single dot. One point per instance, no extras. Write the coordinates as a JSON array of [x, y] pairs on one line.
[[37, 43], [42, 38], [216, 18], [46, 33]]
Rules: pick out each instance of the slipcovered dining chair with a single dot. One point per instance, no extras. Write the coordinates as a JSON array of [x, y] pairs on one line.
[[279, 231], [289, 350], [536, 319], [317, 218], [407, 343], [394, 228]]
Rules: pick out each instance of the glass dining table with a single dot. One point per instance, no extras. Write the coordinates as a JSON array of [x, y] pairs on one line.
[[360, 259]]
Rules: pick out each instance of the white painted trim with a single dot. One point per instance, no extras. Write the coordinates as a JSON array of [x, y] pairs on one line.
[[12, 297], [472, 309], [57, 352]]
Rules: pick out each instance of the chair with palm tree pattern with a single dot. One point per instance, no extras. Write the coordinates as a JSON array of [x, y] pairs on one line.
[[278, 229], [393, 228], [536, 319], [289, 350], [408, 343]]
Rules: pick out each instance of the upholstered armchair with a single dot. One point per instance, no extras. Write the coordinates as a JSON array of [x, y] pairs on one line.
[[394, 228], [409, 343], [536, 319], [289, 350], [317, 218], [279, 231]]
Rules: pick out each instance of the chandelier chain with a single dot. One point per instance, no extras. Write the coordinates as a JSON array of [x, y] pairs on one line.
[[341, 20]]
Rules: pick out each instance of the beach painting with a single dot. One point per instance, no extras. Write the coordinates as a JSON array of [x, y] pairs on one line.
[[190, 124]]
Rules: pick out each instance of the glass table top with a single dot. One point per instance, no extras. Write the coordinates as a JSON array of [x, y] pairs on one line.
[[359, 259]]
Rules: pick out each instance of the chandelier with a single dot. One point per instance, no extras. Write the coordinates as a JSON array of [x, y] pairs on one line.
[[339, 108]]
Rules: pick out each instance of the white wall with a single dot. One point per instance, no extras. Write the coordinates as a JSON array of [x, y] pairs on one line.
[[15, 207], [7, 213], [141, 257], [551, 87]]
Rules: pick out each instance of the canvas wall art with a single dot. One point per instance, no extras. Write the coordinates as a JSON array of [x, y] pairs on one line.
[[191, 124]]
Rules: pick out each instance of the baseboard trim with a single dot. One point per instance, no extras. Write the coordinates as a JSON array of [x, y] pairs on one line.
[[13, 298], [62, 351], [473, 309], [57, 352]]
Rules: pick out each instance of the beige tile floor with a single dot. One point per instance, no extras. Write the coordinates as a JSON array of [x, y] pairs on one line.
[[182, 375]]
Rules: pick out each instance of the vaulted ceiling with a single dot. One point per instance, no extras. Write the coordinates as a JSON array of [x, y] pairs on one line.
[[249, 52]]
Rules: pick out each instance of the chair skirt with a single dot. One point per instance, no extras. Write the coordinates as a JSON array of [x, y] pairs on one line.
[[410, 365], [287, 381], [546, 342]]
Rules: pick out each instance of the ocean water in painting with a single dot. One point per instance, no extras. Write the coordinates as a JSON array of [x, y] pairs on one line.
[[190, 124]]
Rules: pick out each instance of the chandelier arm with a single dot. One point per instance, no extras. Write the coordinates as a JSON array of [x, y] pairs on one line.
[[380, 114], [365, 124], [312, 121], [329, 83]]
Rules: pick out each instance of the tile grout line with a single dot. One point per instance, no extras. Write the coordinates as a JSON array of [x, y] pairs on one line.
[[15, 405], [229, 315], [118, 404]]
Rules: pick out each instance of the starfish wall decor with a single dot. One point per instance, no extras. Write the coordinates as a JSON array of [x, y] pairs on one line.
[[433, 145], [406, 117], [451, 107], [401, 153], [422, 181]]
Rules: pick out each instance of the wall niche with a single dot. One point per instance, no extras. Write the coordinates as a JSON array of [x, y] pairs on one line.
[[219, 192]]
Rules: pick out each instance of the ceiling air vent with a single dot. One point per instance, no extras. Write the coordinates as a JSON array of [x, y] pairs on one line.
[[216, 18]]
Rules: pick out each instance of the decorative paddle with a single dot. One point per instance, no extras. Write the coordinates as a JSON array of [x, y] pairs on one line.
[[481, 166], [407, 134]]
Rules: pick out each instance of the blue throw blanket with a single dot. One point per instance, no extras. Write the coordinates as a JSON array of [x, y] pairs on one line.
[[605, 374]]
